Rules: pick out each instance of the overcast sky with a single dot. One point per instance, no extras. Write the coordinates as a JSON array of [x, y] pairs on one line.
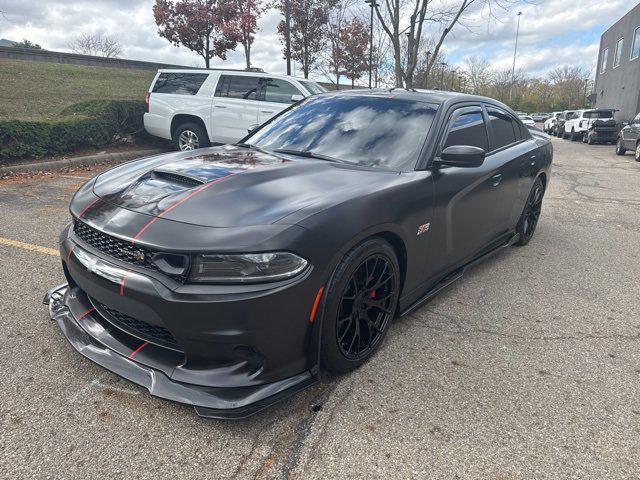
[[552, 32]]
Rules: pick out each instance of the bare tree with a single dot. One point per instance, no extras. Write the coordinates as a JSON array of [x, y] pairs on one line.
[[97, 45], [478, 74], [443, 16]]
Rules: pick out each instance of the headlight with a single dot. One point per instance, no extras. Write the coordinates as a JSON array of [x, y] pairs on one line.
[[246, 268]]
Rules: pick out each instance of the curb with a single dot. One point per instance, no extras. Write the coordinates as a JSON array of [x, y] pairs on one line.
[[86, 161]]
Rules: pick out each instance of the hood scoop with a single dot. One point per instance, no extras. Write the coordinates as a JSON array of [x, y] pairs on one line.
[[178, 178]]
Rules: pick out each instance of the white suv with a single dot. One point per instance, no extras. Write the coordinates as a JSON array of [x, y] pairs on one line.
[[196, 107], [578, 124]]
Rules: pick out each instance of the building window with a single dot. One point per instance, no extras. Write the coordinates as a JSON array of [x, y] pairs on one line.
[[635, 47], [605, 58], [618, 56]]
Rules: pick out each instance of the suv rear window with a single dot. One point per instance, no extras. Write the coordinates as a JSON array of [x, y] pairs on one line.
[[599, 114], [179, 83]]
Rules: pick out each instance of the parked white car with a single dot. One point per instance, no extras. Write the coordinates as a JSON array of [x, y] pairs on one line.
[[578, 124], [194, 108], [550, 123], [527, 120]]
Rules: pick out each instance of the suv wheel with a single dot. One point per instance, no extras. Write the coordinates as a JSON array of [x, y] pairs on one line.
[[620, 150], [361, 301], [638, 152], [573, 136], [190, 136]]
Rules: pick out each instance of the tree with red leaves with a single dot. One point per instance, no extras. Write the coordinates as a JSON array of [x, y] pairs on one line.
[[308, 33], [249, 11], [354, 40], [208, 27]]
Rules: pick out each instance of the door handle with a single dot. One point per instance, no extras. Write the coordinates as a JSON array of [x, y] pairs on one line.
[[220, 106], [496, 179], [266, 111]]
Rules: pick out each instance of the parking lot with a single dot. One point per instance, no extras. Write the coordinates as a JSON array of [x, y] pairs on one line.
[[528, 367]]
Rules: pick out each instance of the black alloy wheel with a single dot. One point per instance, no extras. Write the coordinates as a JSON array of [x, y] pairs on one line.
[[620, 150], [637, 152], [361, 303], [531, 214]]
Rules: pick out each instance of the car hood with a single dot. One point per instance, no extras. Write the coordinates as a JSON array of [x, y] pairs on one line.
[[232, 186]]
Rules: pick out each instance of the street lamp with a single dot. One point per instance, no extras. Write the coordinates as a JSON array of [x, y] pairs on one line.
[[442, 66], [287, 33], [372, 4], [453, 77], [515, 51]]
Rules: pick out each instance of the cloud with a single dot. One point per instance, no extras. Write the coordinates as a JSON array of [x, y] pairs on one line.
[[552, 32]]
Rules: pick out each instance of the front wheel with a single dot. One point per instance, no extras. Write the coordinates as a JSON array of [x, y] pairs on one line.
[[638, 152], [361, 301], [529, 218], [620, 150]]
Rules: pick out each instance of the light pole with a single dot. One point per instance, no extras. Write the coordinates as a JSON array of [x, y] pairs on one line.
[[426, 77], [442, 65], [372, 4], [453, 77], [287, 33], [515, 51]]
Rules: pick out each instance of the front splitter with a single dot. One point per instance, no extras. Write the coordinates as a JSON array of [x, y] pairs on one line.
[[209, 402]]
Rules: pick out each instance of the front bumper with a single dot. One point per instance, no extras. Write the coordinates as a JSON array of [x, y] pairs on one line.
[[85, 329]]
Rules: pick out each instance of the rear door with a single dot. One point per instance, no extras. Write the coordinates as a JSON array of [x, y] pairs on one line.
[[276, 95], [235, 107]]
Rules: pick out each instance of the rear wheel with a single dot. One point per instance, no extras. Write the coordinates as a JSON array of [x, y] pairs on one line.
[[360, 304], [190, 136], [620, 150], [529, 218]]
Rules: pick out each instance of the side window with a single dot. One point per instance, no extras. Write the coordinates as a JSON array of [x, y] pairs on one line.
[[279, 91], [636, 121], [238, 86], [504, 129], [467, 129], [179, 83]]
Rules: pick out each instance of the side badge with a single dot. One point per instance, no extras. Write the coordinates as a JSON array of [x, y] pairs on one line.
[[424, 228]]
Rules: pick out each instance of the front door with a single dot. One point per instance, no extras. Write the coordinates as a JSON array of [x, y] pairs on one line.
[[277, 95], [466, 198], [235, 107]]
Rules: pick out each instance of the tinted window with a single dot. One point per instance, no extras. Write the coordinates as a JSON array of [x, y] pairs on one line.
[[280, 91], [238, 86], [179, 83], [599, 114], [468, 129], [361, 129], [605, 58], [618, 55], [635, 47], [502, 128]]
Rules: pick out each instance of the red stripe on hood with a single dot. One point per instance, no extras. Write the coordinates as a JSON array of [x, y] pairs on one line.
[[164, 212]]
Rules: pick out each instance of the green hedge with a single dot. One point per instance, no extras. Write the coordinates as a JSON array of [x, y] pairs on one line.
[[93, 123]]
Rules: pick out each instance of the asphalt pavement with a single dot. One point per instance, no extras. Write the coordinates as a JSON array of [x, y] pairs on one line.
[[527, 368]]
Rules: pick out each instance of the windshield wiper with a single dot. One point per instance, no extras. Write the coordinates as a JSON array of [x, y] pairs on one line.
[[308, 154]]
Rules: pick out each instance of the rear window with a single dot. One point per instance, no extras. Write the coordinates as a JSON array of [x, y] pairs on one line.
[[599, 114], [504, 130], [179, 83]]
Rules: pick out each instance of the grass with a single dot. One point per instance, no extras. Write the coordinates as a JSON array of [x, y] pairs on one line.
[[40, 90]]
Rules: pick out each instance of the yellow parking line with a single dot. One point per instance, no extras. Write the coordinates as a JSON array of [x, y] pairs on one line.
[[29, 246]]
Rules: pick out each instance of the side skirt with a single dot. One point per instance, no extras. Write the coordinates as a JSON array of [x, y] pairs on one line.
[[456, 275]]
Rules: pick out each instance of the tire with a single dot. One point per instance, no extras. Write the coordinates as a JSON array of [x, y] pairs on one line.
[[620, 150], [191, 134], [589, 140], [572, 135], [637, 155], [528, 222], [345, 319]]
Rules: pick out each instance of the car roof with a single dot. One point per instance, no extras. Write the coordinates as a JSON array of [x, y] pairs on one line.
[[232, 71]]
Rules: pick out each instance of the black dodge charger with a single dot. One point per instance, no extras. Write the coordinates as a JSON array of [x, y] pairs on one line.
[[225, 277]]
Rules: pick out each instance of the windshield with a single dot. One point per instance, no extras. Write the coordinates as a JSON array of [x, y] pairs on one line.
[[359, 129], [599, 114], [312, 87]]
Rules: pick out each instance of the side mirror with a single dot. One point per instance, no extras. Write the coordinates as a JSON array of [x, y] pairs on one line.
[[296, 98], [462, 156], [625, 124]]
